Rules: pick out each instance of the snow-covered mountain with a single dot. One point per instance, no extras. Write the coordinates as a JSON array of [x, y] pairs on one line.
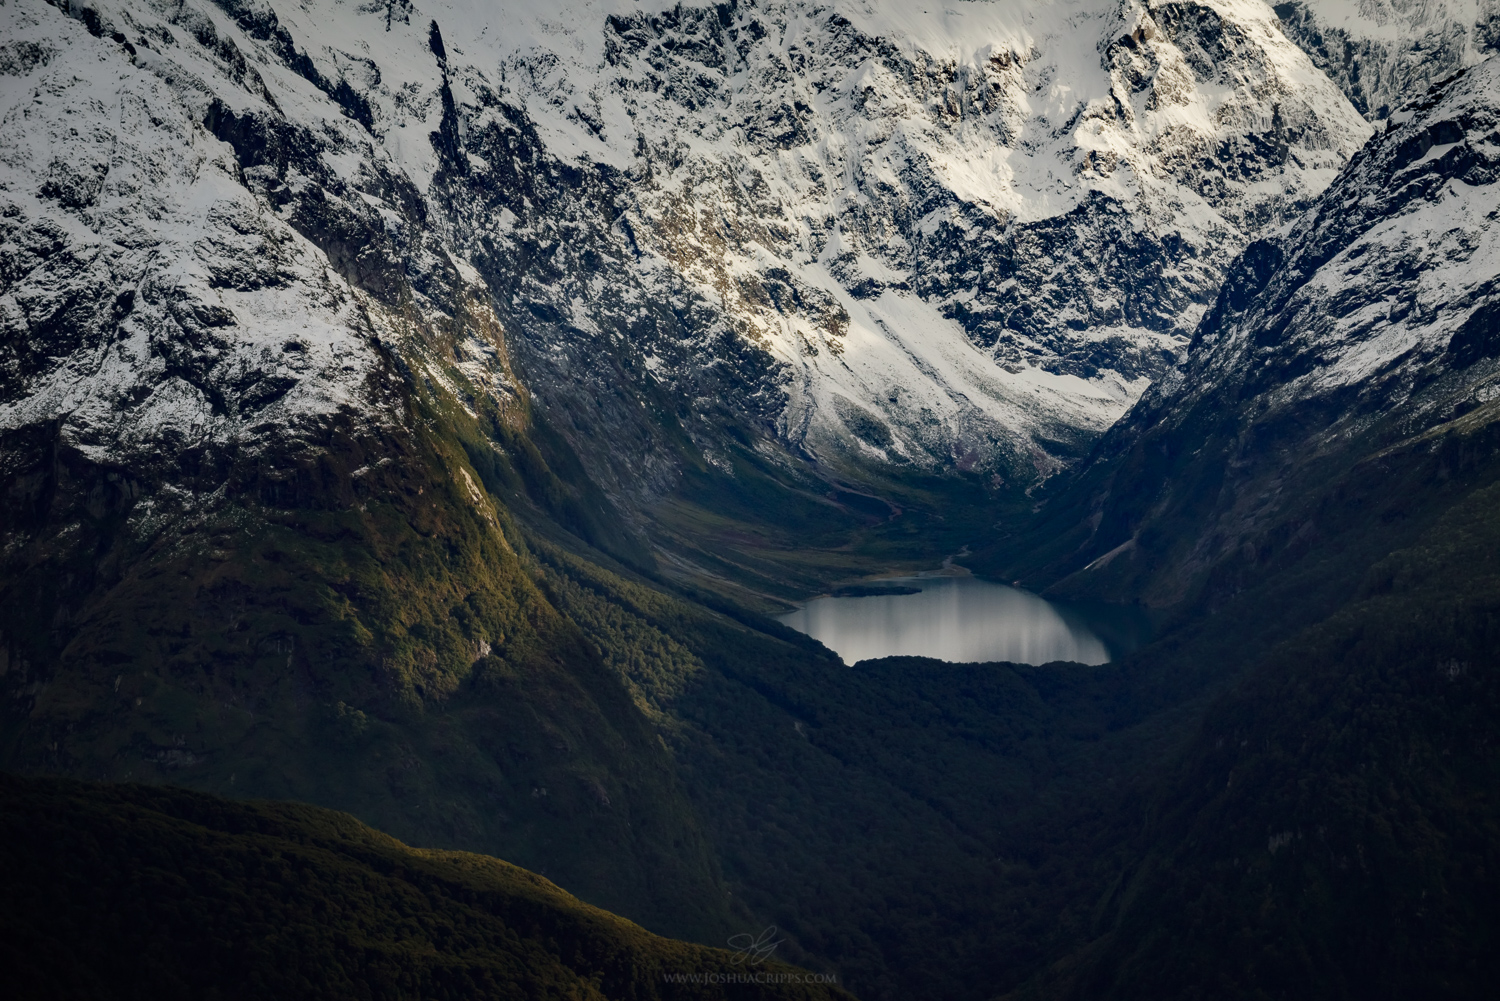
[[171, 307], [953, 231], [1366, 330], [1383, 53], [966, 235], [1388, 285]]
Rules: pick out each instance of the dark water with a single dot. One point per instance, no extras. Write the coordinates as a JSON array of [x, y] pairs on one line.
[[963, 619]]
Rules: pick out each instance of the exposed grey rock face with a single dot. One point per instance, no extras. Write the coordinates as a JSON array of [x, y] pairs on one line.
[[152, 303], [967, 237], [1388, 284], [198, 285], [1384, 53], [1370, 321], [859, 233], [1385, 286]]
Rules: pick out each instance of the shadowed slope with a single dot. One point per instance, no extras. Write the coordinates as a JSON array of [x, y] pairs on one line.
[[145, 892]]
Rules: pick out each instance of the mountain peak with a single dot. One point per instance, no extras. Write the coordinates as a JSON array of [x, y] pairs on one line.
[[1361, 326], [965, 236]]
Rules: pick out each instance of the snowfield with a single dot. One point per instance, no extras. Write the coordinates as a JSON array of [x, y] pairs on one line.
[[966, 235]]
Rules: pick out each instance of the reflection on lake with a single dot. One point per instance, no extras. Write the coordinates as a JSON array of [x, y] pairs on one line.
[[960, 619]]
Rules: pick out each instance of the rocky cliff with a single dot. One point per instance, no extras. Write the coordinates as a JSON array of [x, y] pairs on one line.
[[1383, 54], [1363, 331], [965, 238]]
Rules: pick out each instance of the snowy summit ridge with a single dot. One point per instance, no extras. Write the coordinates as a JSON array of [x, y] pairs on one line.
[[1367, 329], [966, 235]]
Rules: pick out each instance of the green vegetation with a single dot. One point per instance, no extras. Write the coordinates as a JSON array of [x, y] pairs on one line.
[[927, 829], [1334, 828], [932, 828], [130, 891], [764, 533], [362, 632], [448, 630], [923, 829]]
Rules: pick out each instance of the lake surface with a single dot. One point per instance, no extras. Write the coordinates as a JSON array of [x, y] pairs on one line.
[[960, 619]]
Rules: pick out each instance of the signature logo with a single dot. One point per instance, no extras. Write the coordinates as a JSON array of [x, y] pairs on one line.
[[752, 950]]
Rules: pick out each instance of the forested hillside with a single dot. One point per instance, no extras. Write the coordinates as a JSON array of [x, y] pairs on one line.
[[129, 891]]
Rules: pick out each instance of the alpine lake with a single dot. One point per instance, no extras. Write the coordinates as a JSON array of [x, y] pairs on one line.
[[964, 619]]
